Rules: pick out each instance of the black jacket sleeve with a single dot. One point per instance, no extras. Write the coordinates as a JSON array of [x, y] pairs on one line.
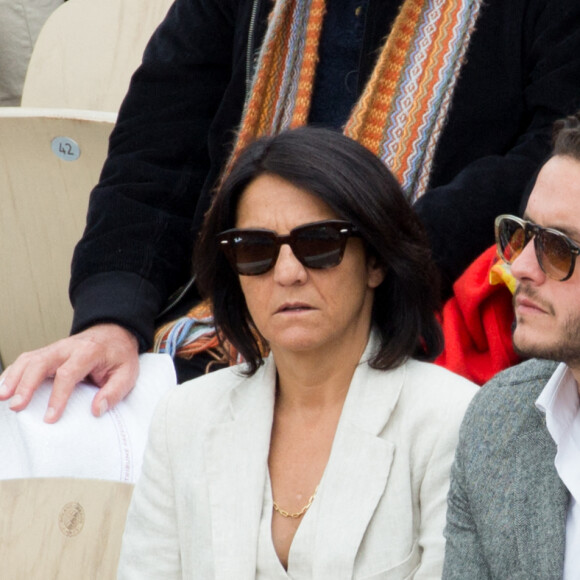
[[136, 248]]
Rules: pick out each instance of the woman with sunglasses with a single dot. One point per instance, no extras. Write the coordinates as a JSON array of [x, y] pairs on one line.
[[330, 456]]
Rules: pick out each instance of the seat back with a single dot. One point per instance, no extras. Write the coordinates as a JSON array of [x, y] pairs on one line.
[[87, 51], [61, 528], [49, 162]]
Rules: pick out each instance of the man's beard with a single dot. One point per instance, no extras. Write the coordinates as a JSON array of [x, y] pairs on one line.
[[565, 349]]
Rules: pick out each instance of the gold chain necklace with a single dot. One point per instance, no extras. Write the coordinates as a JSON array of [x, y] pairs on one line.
[[295, 515]]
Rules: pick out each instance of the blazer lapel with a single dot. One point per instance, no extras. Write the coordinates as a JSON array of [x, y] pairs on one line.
[[357, 471], [541, 504], [237, 460]]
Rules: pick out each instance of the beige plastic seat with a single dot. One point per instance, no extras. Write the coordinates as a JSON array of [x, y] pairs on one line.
[[87, 51], [44, 191], [61, 528]]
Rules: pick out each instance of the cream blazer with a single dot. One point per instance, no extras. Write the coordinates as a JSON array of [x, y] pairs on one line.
[[196, 510]]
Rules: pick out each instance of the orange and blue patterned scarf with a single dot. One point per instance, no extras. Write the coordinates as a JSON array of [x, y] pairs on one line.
[[402, 111]]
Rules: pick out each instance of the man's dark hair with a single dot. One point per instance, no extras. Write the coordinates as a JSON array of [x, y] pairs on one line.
[[566, 137], [360, 189]]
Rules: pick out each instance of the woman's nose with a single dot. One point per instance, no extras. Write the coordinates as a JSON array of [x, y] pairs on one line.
[[288, 269]]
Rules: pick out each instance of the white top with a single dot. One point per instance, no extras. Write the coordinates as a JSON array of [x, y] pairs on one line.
[[560, 402]]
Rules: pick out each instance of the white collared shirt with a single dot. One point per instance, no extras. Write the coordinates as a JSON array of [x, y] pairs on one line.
[[560, 402]]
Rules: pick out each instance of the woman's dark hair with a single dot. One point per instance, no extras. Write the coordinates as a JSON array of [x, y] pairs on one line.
[[360, 189]]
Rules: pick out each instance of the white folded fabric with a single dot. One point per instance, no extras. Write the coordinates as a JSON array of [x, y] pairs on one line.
[[79, 444]]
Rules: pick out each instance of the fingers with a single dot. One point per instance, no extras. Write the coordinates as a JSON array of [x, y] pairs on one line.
[[76, 368], [106, 353], [116, 388], [5, 390], [23, 377]]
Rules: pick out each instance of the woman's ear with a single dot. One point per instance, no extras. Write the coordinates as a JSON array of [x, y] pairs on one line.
[[375, 272]]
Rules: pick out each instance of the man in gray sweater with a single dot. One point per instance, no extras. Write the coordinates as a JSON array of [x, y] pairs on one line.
[[513, 503]]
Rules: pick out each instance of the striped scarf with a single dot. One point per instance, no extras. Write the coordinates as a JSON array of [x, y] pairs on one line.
[[399, 116], [402, 111]]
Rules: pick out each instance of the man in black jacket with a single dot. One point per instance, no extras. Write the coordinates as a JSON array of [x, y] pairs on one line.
[[177, 125]]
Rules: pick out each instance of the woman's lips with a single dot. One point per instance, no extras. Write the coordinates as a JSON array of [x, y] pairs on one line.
[[293, 307]]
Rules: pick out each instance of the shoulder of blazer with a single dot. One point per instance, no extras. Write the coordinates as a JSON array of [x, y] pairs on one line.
[[438, 383], [503, 409], [210, 397], [512, 391]]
